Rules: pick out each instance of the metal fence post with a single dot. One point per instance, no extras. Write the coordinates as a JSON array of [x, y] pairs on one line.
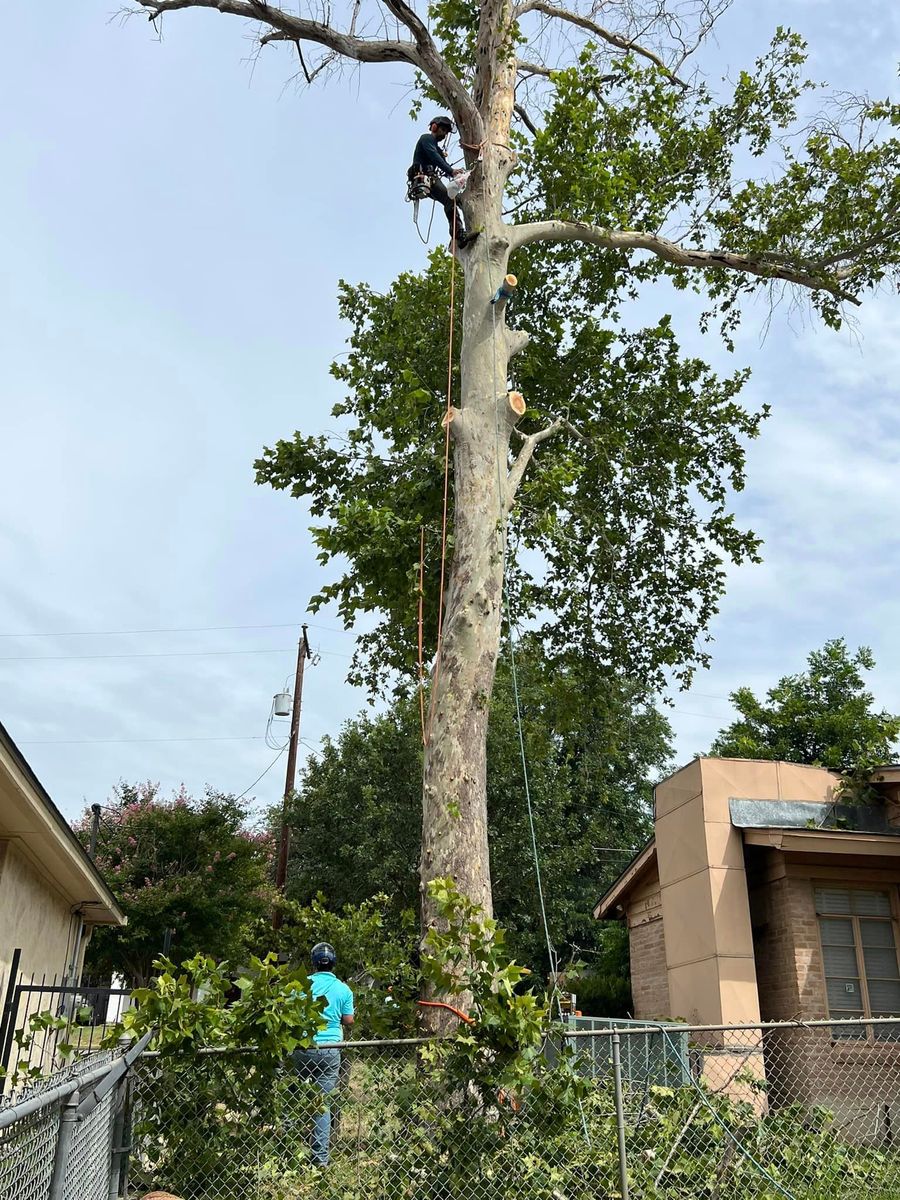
[[116, 1147], [620, 1116], [67, 1120]]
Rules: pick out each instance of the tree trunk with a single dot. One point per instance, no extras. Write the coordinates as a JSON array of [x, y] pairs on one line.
[[454, 800]]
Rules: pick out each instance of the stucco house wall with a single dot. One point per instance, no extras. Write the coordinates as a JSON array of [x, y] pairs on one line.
[[35, 917], [710, 957], [51, 895]]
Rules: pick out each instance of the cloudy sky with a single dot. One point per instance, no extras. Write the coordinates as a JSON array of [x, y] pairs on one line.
[[173, 225]]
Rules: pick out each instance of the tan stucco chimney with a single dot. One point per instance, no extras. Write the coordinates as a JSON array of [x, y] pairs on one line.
[[703, 883]]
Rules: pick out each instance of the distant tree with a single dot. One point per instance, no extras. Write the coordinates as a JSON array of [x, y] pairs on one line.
[[592, 749], [823, 717], [183, 864], [377, 945]]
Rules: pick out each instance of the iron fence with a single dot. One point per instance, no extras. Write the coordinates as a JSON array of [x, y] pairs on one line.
[[82, 1012]]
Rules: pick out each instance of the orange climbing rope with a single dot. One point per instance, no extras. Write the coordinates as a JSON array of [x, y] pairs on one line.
[[421, 601], [447, 419]]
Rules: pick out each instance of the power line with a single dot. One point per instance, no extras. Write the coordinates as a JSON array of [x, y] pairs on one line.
[[683, 712], [255, 737], [156, 654], [139, 654], [168, 629], [259, 777]]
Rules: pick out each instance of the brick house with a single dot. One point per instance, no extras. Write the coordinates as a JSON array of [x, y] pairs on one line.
[[762, 899]]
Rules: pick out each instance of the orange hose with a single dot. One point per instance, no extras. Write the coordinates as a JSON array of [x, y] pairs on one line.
[[457, 1012]]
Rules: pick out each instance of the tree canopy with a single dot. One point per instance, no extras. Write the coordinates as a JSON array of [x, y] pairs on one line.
[[621, 526], [186, 865], [824, 716], [593, 751], [617, 541]]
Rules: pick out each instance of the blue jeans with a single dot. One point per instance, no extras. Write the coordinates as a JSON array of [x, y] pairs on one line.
[[321, 1067]]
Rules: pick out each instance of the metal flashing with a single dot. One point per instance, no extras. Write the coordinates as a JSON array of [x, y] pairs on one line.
[[810, 814]]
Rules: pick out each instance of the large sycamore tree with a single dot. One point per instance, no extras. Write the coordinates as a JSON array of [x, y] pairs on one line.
[[600, 161]]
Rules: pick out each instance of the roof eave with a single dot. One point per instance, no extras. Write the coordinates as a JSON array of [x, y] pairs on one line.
[[611, 897], [105, 899]]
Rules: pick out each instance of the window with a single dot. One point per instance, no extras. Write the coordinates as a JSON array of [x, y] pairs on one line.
[[859, 951]]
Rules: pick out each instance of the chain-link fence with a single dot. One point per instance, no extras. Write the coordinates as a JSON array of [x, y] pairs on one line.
[[61, 1137], [808, 1112]]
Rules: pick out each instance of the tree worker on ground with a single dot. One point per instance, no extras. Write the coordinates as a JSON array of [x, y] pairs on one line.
[[321, 1063], [428, 165]]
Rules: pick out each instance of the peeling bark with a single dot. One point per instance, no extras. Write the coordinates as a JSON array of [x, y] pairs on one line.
[[454, 795]]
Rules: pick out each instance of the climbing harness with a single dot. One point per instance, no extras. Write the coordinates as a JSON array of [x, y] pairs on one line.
[[418, 187]]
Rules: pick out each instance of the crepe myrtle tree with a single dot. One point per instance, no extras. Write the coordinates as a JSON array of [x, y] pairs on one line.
[[600, 161]]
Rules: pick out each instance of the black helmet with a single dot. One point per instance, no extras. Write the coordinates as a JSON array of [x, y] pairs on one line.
[[442, 122], [323, 956]]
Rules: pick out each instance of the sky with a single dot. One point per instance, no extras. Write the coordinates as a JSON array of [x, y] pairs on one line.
[[175, 220]]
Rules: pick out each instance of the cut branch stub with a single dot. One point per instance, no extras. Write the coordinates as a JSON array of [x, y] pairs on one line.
[[517, 403], [505, 290]]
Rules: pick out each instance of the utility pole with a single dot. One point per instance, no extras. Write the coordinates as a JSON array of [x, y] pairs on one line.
[[303, 653], [96, 810]]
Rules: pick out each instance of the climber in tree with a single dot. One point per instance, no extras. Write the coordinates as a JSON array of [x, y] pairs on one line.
[[428, 165]]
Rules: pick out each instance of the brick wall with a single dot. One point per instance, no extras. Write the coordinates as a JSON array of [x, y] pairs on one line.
[[649, 981], [858, 1082], [786, 947]]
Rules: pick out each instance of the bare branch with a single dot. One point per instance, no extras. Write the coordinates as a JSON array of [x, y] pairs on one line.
[[607, 35], [763, 265], [437, 70], [297, 28], [420, 52], [530, 68], [523, 116]]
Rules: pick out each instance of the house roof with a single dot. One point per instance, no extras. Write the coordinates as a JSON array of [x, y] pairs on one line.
[[30, 819], [799, 826], [633, 873]]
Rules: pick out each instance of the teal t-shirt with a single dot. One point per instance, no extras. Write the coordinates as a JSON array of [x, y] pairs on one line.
[[338, 1003]]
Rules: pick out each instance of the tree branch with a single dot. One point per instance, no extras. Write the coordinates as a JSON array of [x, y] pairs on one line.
[[523, 458], [530, 68], [762, 265], [516, 341], [450, 87], [607, 35], [420, 52], [522, 113]]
